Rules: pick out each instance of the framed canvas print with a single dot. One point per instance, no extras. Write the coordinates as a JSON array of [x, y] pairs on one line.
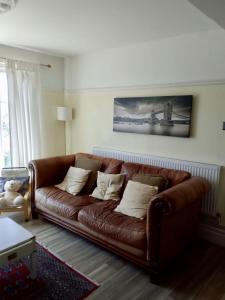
[[161, 115]]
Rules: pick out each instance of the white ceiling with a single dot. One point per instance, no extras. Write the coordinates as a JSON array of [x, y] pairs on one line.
[[68, 27]]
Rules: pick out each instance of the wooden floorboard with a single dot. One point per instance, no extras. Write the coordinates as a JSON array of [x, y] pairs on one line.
[[200, 275]]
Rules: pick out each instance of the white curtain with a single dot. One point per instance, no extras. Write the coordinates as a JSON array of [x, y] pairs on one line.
[[24, 97]]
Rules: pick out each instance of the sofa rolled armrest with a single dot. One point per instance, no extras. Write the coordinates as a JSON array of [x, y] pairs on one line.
[[48, 171], [181, 195], [172, 221]]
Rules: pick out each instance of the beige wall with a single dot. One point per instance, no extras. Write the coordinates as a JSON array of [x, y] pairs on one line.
[[53, 131], [92, 126]]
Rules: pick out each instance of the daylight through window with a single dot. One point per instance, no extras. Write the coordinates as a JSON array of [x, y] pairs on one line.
[[5, 159]]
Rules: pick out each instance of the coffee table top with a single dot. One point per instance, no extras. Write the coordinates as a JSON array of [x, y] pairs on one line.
[[12, 234]]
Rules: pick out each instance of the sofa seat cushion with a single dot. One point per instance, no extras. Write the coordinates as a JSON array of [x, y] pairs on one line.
[[101, 218], [60, 202]]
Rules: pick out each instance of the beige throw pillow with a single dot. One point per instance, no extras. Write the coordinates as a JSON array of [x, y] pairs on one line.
[[136, 198], [74, 180], [108, 186]]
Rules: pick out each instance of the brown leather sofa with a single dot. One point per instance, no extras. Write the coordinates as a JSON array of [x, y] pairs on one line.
[[152, 243]]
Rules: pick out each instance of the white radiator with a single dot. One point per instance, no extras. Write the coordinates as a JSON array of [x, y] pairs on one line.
[[209, 171]]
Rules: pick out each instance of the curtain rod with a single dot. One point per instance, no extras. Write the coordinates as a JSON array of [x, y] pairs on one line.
[[42, 65]]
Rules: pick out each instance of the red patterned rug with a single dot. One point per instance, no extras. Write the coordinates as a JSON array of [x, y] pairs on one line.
[[55, 280]]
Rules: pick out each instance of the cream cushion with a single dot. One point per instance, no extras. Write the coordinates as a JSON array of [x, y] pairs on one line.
[[74, 180], [136, 198], [108, 186]]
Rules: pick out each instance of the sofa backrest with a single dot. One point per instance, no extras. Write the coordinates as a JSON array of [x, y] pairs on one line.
[[109, 165], [173, 176]]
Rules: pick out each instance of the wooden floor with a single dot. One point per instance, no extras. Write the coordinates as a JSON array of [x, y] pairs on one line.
[[200, 276]]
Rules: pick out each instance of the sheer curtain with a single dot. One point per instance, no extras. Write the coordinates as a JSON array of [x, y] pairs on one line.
[[5, 159], [24, 98]]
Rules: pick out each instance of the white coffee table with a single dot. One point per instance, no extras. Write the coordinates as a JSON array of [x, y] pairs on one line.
[[15, 243]]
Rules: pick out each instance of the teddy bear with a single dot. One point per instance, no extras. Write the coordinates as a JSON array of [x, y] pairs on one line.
[[11, 197]]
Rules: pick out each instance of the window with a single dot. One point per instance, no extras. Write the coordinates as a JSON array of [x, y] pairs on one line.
[[5, 157]]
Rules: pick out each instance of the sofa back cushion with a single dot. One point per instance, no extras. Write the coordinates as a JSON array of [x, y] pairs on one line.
[[152, 179], [109, 165], [89, 164], [173, 176]]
